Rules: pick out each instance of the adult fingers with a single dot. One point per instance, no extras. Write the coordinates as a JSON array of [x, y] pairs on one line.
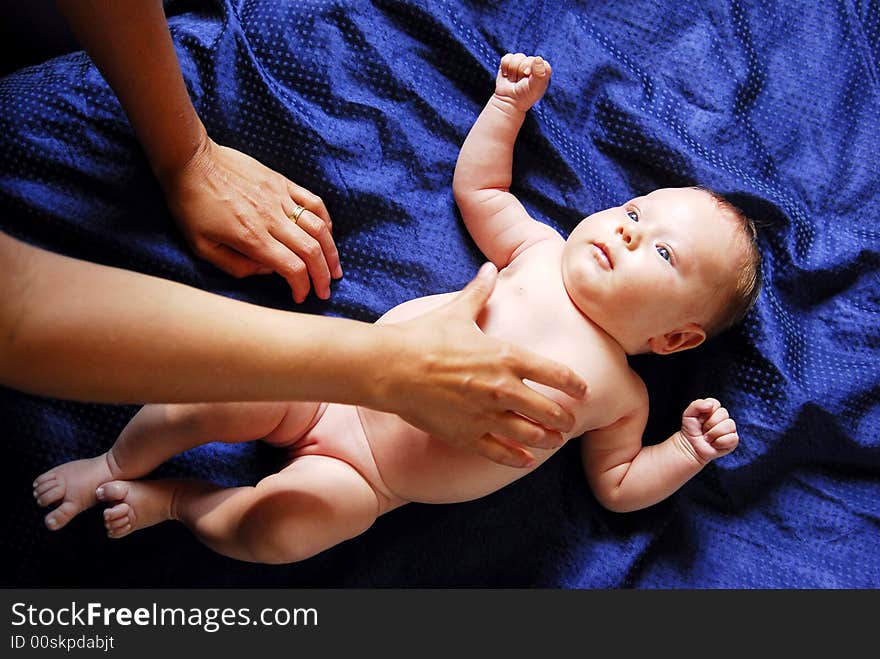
[[230, 261], [288, 264], [514, 427], [503, 451], [268, 251], [318, 229], [531, 366], [520, 398], [310, 201], [472, 298], [310, 252]]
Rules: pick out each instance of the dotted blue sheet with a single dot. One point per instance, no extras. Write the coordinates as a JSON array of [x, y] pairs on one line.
[[367, 104]]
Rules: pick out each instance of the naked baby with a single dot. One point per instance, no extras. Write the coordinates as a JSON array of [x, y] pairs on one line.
[[659, 273]]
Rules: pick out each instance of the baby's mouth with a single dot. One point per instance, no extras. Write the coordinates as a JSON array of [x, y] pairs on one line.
[[603, 256]]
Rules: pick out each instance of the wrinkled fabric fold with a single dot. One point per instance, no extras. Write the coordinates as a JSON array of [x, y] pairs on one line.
[[367, 104]]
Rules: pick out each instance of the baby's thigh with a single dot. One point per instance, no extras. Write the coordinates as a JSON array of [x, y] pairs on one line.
[[312, 504], [293, 420], [280, 423], [217, 422]]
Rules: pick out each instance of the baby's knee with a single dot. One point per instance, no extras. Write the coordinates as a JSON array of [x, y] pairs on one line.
[[270, 549], [287, 544]]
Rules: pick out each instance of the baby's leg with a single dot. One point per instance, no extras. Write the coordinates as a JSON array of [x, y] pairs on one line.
[[159, 432], [314, 503]]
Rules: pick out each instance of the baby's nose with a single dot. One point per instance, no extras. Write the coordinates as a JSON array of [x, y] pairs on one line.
[[629, 236]]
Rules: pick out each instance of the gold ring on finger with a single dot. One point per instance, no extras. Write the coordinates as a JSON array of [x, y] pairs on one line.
[[297, 211]]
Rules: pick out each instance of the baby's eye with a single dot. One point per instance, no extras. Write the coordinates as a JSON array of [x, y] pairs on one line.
[[633, 215], [662, 251]]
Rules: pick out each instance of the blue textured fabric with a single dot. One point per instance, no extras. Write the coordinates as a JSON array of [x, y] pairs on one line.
[[367, 103]]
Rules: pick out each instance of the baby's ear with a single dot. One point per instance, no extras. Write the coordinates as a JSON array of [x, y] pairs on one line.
[[685, 338]]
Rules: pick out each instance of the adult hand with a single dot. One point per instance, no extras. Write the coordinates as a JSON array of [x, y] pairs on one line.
[[467, 389], [236, 213]]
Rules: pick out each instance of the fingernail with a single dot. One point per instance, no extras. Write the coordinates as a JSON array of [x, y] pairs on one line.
[[99, 492], [486, 268], [337, 273], [51, 522]]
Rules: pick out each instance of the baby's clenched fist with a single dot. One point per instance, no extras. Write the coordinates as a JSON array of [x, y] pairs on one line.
[[708, 430], [522, 80]]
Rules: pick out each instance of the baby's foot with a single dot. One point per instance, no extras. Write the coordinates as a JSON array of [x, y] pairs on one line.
[[141, 504], [73, 484]]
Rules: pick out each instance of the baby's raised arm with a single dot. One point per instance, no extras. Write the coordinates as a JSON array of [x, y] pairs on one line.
[[495, 218], [626, 476]]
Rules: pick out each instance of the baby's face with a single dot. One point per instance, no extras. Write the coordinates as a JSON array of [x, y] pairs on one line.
[[652, 265]]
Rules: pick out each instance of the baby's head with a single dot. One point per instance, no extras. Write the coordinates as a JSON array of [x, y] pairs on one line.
[[664, 271]]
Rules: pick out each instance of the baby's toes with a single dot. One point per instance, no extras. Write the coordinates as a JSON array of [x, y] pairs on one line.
[[118, 520], [46, 477], [49, 490], [112, 491], [59, 517]]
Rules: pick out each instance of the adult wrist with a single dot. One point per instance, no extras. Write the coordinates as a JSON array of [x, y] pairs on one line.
[[168, 167], [391, 364]]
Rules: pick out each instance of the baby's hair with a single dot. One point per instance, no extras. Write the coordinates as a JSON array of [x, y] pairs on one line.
[[744, 294]]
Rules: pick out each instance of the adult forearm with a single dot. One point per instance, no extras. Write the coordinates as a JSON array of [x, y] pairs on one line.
[[73, 329], [130, 43]]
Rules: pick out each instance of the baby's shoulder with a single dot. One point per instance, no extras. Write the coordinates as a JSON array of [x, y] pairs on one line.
[[543, 240], [616, 392]]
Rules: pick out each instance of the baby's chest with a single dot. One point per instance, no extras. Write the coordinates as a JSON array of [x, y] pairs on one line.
[[547, 323], [608, 383]]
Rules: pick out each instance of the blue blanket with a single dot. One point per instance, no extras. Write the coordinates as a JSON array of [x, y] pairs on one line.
[[367, 103]]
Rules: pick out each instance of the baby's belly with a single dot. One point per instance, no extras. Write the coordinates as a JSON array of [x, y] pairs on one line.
[[400, 462], [409, 464], [417, 467]]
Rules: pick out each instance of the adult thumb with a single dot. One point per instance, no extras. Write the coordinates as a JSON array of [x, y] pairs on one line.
[[473, 297]]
